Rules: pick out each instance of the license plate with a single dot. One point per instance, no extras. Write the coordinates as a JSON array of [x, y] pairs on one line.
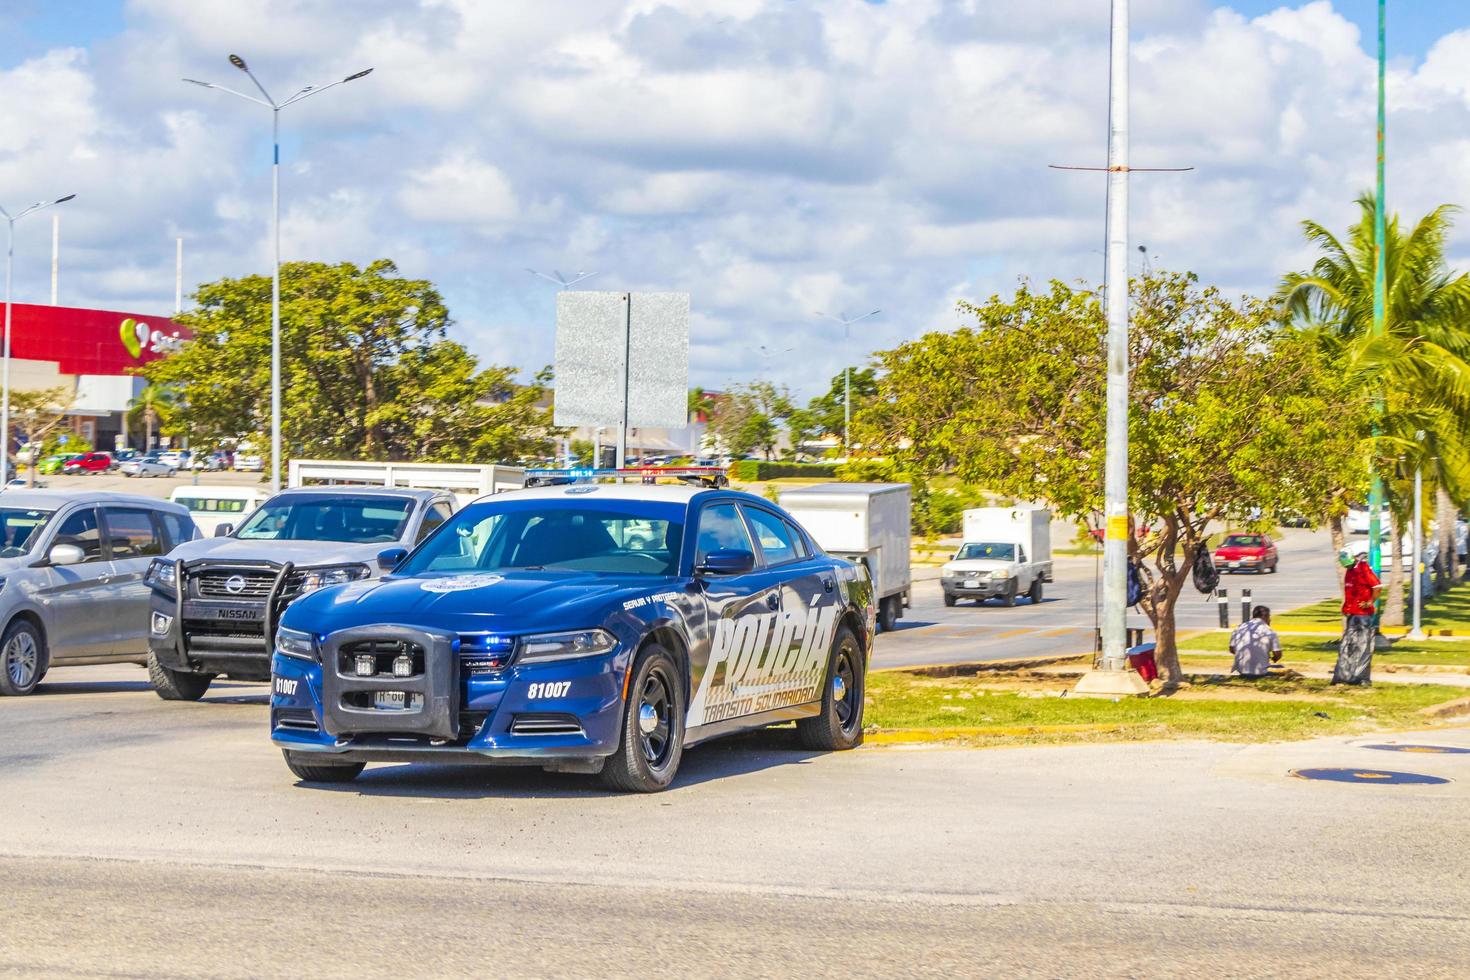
[[390, 700], [972, 583], [237, 614], [1235, 564]]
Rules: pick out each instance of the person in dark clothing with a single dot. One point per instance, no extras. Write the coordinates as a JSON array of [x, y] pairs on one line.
[[1360, 588]]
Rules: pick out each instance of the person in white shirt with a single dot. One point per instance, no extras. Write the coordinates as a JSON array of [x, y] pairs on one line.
[[1255, 645]]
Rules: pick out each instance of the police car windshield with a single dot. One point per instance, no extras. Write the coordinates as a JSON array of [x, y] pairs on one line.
[[20, 529], [309, 517], [987, 549], [610, 536]]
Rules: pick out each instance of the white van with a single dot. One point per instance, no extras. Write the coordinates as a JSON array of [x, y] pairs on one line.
[[212, 506]]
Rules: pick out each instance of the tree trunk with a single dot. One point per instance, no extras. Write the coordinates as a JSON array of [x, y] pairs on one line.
[[148, 430], [1166, 651], [1445, 515], [1393, 610], [1339, 541]]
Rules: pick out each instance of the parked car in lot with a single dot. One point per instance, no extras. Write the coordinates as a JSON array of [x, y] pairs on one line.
[[216, 507], [249, 463], [528, 631], [90, 462], [52, 465], [216, 601], [209, 462], [141, 466], [72, 563], [1247, 553]]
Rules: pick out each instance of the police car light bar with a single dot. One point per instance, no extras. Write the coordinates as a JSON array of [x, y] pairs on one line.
[[710, 476]]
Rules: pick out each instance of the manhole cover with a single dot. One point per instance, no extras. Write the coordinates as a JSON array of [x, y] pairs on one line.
[[1426, 749], [1383, 777]]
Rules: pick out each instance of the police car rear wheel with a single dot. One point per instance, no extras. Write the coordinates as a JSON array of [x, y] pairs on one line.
[[320, 772], [840, 723], [176, 685], [652, 736]]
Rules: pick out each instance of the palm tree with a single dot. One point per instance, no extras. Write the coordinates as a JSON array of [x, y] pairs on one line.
[[1421, 361], [155, 405]]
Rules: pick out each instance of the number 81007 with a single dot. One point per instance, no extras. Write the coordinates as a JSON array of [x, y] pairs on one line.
[[550, 689]]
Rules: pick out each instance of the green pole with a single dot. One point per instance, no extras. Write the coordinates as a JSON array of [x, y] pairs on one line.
[[1380, 290]]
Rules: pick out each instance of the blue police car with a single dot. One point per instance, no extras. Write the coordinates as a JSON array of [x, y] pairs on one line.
[[589, 627]]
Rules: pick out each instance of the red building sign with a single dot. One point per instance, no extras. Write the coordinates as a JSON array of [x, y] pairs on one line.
[[91, 341]]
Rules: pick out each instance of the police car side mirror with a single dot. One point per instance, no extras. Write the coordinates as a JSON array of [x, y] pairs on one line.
[[223, 530], [391, 558], [726, 561]]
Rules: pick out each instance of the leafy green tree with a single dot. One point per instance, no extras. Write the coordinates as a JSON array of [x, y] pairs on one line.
[[1419, 367], [827, 409], [36, 415], [748, 418], [1228, 414], [155, 406], [367, 371], [583, 451]]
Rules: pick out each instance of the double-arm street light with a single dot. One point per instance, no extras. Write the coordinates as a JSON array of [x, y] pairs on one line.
[[847, 322], [562, 280], [275, 108], [10, 221]]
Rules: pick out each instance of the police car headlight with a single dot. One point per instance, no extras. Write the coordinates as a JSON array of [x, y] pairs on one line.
[[161, 573], [319, 578], [296, 643], [544, 647]]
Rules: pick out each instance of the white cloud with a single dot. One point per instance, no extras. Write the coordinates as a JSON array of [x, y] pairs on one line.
[[770, 157]]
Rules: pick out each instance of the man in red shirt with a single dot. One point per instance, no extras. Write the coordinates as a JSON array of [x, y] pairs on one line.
[[1360, 587]]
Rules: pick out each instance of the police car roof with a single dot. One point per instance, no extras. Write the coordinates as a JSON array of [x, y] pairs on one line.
[[667, 492]]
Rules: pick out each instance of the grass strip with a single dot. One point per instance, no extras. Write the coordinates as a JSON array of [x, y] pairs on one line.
[[1026, 709], [1320, 650]]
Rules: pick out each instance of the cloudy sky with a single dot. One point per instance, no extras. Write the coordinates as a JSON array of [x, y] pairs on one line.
[[771, 157]]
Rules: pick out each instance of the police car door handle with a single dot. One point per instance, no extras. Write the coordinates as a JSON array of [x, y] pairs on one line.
[[826, 585], [773, 600]]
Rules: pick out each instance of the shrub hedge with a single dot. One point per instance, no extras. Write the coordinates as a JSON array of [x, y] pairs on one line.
[[750, 470]]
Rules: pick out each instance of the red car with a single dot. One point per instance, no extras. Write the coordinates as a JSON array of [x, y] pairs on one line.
[[88, 463], [1246, 553]]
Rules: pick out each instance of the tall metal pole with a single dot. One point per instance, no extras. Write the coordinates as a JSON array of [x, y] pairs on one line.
[[1115, 473], [1380, 291], [276, 299], [627, 350], [55, 254], [5, 409], [846, 404], [179, 274], [1416, 633]]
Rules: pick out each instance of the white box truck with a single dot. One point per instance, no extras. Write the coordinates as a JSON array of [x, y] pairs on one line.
[[1006, 553], [866, 523], [467, 481]]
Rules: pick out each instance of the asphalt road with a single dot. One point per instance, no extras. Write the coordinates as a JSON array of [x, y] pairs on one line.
[[144, 838], [1065, 621]]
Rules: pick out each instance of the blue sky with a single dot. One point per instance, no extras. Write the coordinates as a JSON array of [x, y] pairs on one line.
[[771, 157]]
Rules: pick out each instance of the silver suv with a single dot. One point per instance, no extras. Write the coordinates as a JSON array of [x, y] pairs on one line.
[[71, 578]]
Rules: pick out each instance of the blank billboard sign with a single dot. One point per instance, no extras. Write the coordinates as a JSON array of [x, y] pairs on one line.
[[612, 345]]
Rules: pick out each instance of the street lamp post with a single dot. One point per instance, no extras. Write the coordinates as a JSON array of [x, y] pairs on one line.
[[275, 108], [10, 221], [562, 280], [847, 323]]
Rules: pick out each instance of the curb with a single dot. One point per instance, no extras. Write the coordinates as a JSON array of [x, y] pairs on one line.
[[970, 668]]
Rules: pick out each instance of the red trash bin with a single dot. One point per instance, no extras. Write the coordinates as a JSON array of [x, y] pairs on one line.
[[1141, 659]]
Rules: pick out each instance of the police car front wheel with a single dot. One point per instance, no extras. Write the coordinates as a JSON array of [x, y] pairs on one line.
[[651, 740], [318, 772]]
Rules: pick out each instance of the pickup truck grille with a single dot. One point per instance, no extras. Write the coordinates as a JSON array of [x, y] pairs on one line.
[[234, 585]]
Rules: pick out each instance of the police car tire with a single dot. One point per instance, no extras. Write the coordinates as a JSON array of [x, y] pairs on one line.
[[8, 687], [320, 772], [825, 732], [626, 770], [176, 685]]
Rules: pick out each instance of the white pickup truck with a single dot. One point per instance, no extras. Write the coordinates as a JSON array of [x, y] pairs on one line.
[[1006, 553]]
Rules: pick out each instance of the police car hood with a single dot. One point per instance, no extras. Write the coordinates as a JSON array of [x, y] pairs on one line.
[[299, 553], [513, 601]]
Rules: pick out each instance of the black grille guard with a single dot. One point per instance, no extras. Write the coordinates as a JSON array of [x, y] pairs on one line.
[[438, 686], [181, 568]]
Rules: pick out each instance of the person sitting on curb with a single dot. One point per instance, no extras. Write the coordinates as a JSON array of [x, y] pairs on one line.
[[1255, 645], [1360, 588]]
